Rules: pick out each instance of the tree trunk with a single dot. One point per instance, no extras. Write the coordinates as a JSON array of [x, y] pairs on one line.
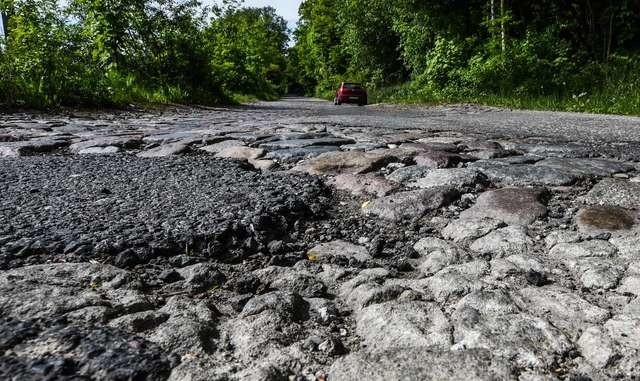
[[493, 10], [610, 32], [502, 27]]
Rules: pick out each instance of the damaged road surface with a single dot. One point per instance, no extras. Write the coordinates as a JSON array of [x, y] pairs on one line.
[[295, 240]]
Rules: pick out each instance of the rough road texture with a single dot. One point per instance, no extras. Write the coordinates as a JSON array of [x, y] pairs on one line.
[[298, 240]]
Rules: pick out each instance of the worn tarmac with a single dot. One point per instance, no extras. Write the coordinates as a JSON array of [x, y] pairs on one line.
[[297, 240]]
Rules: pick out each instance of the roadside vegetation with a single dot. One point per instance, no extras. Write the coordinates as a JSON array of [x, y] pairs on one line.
[[116, 52], [577, 55]]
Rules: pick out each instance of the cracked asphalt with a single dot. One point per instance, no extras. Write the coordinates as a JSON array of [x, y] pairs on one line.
[[297, 240]]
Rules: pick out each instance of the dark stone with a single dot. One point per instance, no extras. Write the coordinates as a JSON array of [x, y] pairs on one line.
[[605, 218], [127, 258], [193, 205], [80, 353], [376, 247], [169, 276], [404, 266], [238, 302], [536, 278], [246, 283], [15, 331], [580, 377]]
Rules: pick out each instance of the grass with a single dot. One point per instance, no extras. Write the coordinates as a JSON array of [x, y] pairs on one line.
[[617, 98]]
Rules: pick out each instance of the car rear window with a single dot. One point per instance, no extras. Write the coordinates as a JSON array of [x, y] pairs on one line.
[[352, 86]]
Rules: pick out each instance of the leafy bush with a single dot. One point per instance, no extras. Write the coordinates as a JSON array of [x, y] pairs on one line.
[[114, 52]]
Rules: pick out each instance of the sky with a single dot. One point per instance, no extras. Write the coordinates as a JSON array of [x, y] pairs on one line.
[[1, 27], [285, 8]]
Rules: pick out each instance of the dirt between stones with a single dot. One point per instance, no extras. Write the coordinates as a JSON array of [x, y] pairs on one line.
[[197, 267]]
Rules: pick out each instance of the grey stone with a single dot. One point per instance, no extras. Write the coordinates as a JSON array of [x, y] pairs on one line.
[[405, 154], [290, 136], [561, 236], [263, 165], [622, 193], [514, 206], [565, 309], [525, 266], [402, 137], [218, 147], [460, 178], [395, 324], [140, 321], [627, 243], [593, 248], [570, 150], [624, 332], [292, 280], [506, 161], [428, 147], [122, 141], [596, 347], [596, 273], [408, 174], [630, 285], [338, 249], [361, 185], [286, 304], [407, 205], [524, 175], [32, 146], [240, 153], [438, 159], [261, 335], [587, 167], [45, 291], [99, 150], [367, 288], [437, 254], [182, 136], [633, 308], [491, 320], [466, 230], [323, 310], [456, 281], [366, 294], [295, 154], [165, 150], [191, 327], [422, 364], [503, 242], [301, 143], [201, 276], [441, 139], [343, 162], [361, 146]]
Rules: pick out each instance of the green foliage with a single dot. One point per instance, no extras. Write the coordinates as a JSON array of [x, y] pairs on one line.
[[258, 64], [451, 50], [114, 52]]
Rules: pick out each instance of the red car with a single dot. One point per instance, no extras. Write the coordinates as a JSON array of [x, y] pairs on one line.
[[350, 93]]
